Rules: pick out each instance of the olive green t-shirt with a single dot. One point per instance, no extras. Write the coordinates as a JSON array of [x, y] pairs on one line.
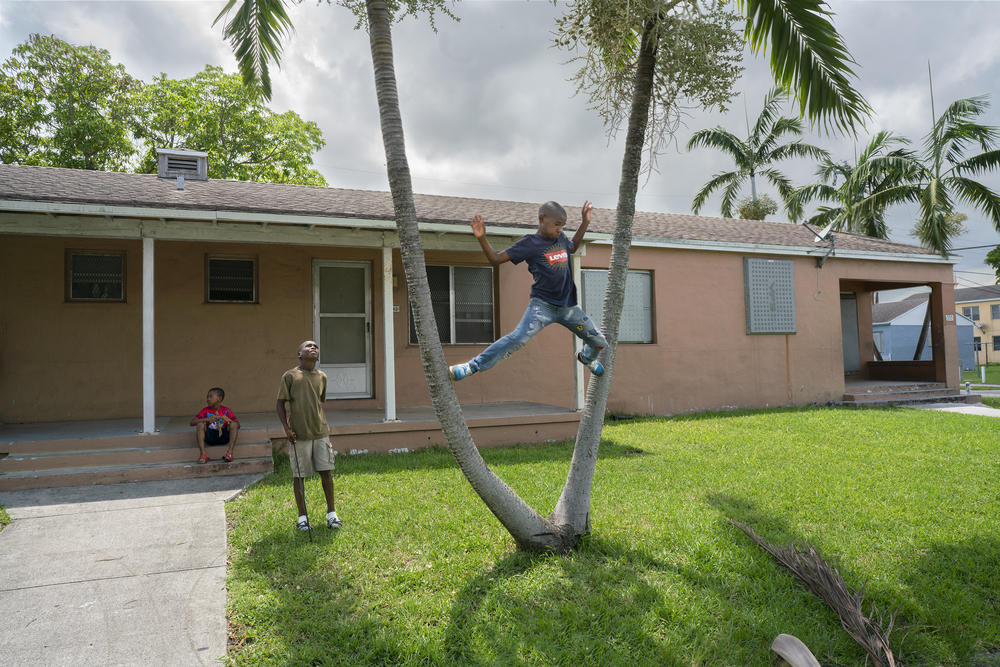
[[306, 390]]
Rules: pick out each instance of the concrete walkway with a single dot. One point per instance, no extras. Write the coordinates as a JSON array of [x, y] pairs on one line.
[[123, 574]]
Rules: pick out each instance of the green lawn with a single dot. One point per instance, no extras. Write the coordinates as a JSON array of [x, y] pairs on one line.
[[992, 374], [904, 501], [992, 401], [4, 517]]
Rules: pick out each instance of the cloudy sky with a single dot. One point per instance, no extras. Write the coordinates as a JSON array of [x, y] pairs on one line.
[[488, 111]]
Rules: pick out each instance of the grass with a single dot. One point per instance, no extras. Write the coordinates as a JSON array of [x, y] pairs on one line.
[[902, 501], [992, 374], [4, 518], [992, 401]]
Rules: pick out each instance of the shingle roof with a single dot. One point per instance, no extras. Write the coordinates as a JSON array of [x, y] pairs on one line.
[[49, 184], [887, 312], [986, 293]]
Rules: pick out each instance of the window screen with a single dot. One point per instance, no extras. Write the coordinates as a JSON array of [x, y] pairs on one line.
[[96, 277], [770, 295], [996, 343], [972, 312], [637, 311], [995, 311], [462, 299], [232, 280]]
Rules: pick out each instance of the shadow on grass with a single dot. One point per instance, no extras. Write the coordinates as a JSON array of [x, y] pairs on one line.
[[949, 610]]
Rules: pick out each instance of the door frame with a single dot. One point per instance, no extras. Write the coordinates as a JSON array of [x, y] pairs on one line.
[[318, 264]]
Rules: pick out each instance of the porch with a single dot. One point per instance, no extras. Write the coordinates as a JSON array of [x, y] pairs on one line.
[[75, 453]]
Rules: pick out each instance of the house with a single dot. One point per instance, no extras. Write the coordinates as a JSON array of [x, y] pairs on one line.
[[897, 327], [982, 306], [125, 296]]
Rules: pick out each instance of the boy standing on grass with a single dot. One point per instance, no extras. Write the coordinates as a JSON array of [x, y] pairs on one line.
[[553, 294], [300, 409], [216, 425]]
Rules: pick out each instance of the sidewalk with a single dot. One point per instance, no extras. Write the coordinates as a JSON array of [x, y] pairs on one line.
[[122, 574]]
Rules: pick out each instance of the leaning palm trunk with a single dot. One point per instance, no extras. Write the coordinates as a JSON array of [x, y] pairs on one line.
[[572, 512], [530, 530]]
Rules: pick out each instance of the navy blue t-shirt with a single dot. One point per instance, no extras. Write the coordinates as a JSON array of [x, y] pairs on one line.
[[548, 261]]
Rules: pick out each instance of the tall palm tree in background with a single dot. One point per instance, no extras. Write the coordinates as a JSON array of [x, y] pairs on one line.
[[866, 189], [807, 55], [754, 155], [948, 173]]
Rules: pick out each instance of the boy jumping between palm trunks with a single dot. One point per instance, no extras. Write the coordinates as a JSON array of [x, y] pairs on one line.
[[553, 293]]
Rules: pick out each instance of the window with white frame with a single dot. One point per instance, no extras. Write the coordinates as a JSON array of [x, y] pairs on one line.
[[972, 312], [95, 276], [995, 311], [637, 312], [462, 300], [231, 280]]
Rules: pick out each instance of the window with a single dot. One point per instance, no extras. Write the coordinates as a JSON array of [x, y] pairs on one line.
[[231, 280], [996, 343], [995, 311], [637, 312], [462, 299], [95, 276], [977, 343], [972, 312], [769, 286]]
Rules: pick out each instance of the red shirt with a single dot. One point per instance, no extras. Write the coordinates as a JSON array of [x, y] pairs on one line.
[[221, 411]]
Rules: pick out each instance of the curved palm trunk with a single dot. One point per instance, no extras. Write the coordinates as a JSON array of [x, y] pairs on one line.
[[530, 530], [572, 512]]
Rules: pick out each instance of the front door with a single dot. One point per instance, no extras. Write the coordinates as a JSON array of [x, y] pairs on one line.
[[849, 328], [342, 326]]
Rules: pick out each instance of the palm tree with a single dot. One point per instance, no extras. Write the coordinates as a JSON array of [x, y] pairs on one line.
[[867, 188], [754, 155], [947, 172], [806, 53]]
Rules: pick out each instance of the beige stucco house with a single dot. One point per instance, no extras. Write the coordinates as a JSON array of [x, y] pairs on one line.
[[127, 296]]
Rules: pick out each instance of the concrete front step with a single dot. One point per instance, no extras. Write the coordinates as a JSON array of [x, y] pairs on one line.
[[122, 442], [126, 457], [882, 401], [899, 394], [86, 476]]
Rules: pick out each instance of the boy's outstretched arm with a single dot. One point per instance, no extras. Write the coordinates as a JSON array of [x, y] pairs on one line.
[[479, 231], [584, 223]]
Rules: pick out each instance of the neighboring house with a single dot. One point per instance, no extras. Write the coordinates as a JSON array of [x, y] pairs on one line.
[[897, 325], [123, 295], [982, 306]]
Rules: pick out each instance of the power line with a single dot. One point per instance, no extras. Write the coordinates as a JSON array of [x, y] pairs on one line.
[[973, 247]]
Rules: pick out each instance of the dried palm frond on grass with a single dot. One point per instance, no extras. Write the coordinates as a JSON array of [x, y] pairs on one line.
[[806, 564]]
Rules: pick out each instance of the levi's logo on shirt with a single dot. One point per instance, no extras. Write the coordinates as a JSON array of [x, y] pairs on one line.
[[557, 256]]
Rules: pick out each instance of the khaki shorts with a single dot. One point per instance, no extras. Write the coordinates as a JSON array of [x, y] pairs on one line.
[[313, 455]]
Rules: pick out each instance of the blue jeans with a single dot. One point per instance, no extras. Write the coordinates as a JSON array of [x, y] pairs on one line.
[[539, 315]]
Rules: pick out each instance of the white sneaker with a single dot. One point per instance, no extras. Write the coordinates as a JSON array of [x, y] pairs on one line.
[[303, 524], [333, 521]]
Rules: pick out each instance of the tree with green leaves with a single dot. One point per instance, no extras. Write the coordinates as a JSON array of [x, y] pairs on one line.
[[993, 259], [754, 155], [65, 106], [624, 41], [865, 190], [948, 173], [216, 113]]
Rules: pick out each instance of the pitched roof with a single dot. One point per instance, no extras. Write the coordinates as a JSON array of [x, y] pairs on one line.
[[985, 293], [49, 184], [887, 312]]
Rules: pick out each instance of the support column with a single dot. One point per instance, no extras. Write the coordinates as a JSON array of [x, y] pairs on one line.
[[388, 336], [944, 335], [148, 347], [579, 381]]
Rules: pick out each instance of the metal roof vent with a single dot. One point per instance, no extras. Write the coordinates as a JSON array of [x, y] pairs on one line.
[[174, 162]]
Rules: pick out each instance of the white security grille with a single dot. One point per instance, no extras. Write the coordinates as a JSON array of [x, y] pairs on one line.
[[97, 277], [770, 295], [636, 325]]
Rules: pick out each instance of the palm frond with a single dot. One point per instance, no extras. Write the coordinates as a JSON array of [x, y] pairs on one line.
[[717, 181], [779, 181], [729, 198], [978, 195], [808, 58], [932, 226], [725, 141], [797, 149], [801, 197], [781, 127], [768, 115], [988, 161], [255, 34]]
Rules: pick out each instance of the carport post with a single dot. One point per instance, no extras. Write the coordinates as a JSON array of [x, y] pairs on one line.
[[388, 336], [148, 348]]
